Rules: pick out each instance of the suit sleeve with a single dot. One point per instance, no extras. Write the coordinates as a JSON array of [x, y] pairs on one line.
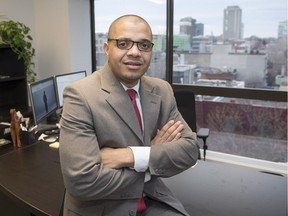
[[84, 175], [171, 158]]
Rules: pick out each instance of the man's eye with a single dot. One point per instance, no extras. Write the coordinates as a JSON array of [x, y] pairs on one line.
[[122, 43], [145, 45]]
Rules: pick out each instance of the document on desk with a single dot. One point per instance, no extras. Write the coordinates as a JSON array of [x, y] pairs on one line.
[[54, 145], [48, 138]]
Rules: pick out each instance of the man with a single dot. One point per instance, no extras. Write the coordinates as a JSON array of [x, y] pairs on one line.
[[111, 160]]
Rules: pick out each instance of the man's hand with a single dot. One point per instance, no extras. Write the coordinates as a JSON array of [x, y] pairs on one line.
[[117, 158], [171, 131]]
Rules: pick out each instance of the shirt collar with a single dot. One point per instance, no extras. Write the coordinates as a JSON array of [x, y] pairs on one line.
[[136, 87]]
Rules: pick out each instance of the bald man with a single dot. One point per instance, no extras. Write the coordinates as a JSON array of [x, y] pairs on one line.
[[121, 132]]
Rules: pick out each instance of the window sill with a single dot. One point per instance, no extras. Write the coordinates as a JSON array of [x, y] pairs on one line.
[[259, 165]]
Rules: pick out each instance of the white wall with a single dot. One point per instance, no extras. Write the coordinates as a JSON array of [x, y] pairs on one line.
[[18, 10], [80, 38], [60, 31]]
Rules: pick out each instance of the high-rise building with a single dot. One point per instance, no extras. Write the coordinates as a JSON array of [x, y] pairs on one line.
[[232, 24], [188, 26], [199, 29], [282, 29]]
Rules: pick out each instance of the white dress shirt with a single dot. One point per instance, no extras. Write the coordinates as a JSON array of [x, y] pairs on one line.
[[141, 153]]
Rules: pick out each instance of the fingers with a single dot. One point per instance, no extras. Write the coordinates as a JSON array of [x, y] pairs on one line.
[[166, 127], [171, 131], [177, 137], [175, 131]]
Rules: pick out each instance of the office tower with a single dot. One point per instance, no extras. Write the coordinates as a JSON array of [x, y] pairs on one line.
[[199, 29], [188, 26], [232, 23], [282, 29]]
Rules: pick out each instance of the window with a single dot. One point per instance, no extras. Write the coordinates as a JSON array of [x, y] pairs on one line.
[[237, 47], [235, 44], [232, 54]]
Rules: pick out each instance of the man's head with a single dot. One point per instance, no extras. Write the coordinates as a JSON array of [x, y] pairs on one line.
[[129, 60]]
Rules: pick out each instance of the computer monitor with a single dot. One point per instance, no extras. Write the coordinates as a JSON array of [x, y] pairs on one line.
[[63, 80], [43, 99]]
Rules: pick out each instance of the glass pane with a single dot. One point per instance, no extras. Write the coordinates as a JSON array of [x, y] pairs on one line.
[[231, 43], [154, 12], [239, 44], [250, 128]]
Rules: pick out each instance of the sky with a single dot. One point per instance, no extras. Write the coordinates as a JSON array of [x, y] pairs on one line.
[[260, 17]]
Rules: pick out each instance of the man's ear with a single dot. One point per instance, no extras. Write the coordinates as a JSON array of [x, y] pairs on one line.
[[106, 48]]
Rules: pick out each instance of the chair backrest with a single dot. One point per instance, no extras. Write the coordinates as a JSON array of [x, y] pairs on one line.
[[185, 100]]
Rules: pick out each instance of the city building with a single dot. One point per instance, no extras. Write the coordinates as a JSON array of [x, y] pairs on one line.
[[202, 44], [199, 29], [232, 24], [282, 29], [188, 26], [182, 43], [183, 74]]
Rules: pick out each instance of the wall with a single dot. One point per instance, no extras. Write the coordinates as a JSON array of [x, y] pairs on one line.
[[60, 31], [80, 35]]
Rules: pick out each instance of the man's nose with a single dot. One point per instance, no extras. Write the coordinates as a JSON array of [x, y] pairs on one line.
[[134, 50]]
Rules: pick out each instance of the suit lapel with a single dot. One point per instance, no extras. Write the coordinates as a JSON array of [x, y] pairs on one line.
[[120, 101], [150, 107]]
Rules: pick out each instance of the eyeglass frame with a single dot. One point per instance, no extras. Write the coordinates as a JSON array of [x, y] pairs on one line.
[[133, 42]]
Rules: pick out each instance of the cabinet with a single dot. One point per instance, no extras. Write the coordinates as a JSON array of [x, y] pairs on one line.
[[13, 84]]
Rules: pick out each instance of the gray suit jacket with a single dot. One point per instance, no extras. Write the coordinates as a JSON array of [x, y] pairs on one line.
[[98, 113]]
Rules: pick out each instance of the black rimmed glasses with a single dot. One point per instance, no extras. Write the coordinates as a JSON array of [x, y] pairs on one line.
[[126, 44]]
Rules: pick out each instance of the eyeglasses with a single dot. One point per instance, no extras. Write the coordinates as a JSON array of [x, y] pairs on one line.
[[126, 44]]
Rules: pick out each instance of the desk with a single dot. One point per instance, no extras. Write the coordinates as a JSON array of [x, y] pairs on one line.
[[215, 189], [31, 177]]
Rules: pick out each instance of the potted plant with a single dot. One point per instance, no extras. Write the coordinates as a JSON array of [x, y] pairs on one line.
[[16, 35]]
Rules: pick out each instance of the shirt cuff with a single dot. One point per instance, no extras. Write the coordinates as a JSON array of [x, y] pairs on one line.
[[141, 157], [147, 177]]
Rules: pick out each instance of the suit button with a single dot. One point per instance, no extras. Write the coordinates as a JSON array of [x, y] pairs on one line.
[[132, 213]]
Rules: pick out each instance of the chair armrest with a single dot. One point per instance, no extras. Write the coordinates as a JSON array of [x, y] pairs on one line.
[[203, 133]]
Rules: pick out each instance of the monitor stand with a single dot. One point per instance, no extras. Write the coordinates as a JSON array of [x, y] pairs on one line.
[[53, 118], [48, 129]]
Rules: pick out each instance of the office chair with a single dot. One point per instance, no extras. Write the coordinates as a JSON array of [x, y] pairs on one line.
[[185, 100]]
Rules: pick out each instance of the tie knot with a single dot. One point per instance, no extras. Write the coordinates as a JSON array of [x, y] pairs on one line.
[[132, 93]]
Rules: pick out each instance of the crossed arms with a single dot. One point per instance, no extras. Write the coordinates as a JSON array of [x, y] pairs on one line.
[[123, 157]]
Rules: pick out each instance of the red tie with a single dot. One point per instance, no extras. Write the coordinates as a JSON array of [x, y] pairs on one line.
[[132, 94]]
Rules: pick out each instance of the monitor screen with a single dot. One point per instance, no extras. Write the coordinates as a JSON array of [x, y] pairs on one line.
[[63, 80], [43, 99]]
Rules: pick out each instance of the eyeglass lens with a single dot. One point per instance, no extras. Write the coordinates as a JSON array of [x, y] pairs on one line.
[[144, 45]]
